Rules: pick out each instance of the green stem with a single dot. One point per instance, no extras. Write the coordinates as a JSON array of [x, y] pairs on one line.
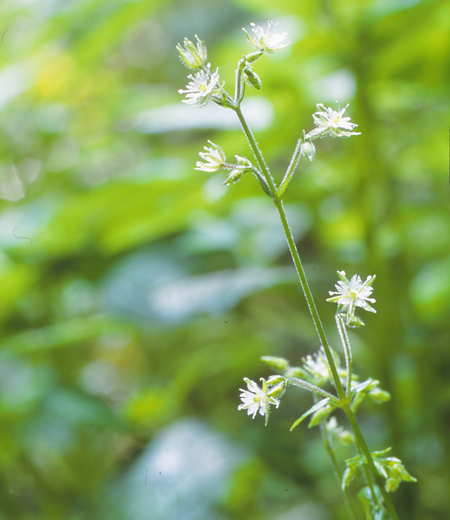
[[365, 449], [347, 352], [310, 300], [256, 151], [291, 168], [313, 389], [329, 449]]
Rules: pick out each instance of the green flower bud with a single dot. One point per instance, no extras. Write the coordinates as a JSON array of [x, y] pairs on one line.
[[277, 363], [252, 78], [235, 176], [320, 415], [296, 372], [379, 396], [307, 149], [346, 438]]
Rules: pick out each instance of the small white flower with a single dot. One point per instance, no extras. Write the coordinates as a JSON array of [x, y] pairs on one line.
[[214, 157], [330, 122], [202, 87], [317, 365], [255, 399], [353, 293], [264, 40], [191, 56]]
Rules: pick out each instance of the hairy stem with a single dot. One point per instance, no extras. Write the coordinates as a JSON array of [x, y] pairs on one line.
[[256, 151], [310, 300], [337, 472], [365, 449], [347, 351]]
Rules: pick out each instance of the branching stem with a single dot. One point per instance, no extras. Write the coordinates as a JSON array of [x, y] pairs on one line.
[[343, 397]]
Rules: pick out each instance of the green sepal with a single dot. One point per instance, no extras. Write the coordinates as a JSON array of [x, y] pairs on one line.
[[254, 56], [224, 100]]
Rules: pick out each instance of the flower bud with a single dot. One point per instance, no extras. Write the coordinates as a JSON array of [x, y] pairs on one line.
[[277, 363], [379, 396], [346, 438], [191, 56], [321, 415], [235, 176], [307, 149], [252, 78]]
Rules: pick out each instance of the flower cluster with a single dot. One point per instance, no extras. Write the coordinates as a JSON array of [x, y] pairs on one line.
[[330, 122]]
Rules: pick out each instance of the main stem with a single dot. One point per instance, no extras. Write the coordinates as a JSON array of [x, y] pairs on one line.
[[337, 472], [255, 149], [309, 299], [365, 449], [344, 400]]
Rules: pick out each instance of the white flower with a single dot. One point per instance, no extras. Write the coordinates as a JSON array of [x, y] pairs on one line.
[[317, 366], [353, 293], [255, 399], [264, 41], [214, 157], [191, 56], [202, 87], [328, 121]]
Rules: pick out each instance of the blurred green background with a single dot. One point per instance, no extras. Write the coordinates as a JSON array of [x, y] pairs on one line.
[[136, 292]]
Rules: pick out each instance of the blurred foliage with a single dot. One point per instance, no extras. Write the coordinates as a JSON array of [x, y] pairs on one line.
[[137, 292]]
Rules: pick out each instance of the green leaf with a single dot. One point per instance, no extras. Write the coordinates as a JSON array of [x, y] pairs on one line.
[[312, 410]]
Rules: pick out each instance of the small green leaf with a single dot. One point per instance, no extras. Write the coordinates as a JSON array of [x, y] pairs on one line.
[[312, 410], [347, 477]]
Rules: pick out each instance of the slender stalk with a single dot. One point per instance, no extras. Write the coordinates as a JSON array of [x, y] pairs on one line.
[[256, 151], [347, 351], [365, 449], [291, 168], [313, 388]]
